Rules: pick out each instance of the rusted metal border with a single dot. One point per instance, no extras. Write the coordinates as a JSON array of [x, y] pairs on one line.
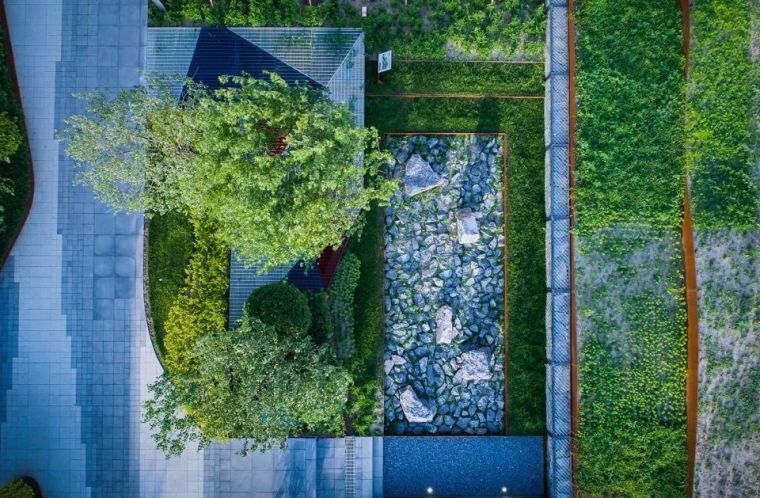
[[571, 157], [11, 63], [467, 96], [692, 311], [505, 211]]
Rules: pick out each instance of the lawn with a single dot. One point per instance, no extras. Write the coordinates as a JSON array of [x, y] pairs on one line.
[[631, 438], [15, 176], [431, 29], [522, 121]]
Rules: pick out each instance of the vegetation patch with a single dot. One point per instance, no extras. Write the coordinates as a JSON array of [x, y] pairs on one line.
[[170, 247], [724, 99], [18, 488], [722, 87], [630, 104], [432, 29], [632, 364], [15, 168], [629, 281]]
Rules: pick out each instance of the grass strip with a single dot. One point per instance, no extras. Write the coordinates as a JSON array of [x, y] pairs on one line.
[[457, 77]]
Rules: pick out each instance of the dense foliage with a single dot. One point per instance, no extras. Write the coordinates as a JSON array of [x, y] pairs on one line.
[[17, 489], [630, 95], [10, 137], [631, 437], [420, 29], [280, 305], [200, 308], [252, 382], [522, 121], [170, 246], [202, 156], [15, 169], [724, 92], [450, 77]]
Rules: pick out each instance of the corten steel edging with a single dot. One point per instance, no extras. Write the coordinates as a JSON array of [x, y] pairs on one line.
[[571, 157], [692, 312], [505, 212], [11, 62], [467, 96]]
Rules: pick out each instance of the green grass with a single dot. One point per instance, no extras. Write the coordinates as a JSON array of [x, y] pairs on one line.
[[629, 200], [15, 176], [170, 246], [522, 121], [630, 94], [723, 84], [429, 29], [458, 77]]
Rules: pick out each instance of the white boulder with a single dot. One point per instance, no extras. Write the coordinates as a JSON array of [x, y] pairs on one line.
[[468, 230], [419, 176], [445, 331], [416, 410], [475, 366]]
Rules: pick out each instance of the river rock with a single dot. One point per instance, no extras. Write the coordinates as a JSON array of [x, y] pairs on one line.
[[419, 176], [416, 410], [468, 231]]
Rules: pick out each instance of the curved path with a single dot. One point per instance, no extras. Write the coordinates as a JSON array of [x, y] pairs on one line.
[[75, 354]]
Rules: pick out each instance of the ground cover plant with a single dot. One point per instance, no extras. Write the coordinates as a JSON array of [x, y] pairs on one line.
[[15, 169], [427, 29], [522, 121], [631, 438], [723, 104], [18, 488]]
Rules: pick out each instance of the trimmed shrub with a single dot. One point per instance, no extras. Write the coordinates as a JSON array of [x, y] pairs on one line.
[[280, 305], [201, 309]]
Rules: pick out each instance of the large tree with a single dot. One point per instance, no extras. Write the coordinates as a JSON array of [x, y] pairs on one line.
[[254, 382], [215, 155]]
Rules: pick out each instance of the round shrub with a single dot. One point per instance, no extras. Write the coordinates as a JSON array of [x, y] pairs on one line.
[[280, 305]]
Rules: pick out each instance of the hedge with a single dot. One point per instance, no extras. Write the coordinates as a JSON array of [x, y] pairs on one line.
[[280, 305], [201, 307]]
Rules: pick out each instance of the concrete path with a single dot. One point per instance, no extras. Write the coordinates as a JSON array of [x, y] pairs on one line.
[[75, 355]]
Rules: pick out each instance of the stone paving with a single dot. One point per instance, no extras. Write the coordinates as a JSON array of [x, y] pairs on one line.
[[444, 284], [75, 355]]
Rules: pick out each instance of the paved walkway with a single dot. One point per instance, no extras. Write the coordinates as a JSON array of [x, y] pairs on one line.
[[75, 355]]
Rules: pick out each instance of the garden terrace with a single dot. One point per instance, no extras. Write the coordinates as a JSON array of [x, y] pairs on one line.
[[445, 280]]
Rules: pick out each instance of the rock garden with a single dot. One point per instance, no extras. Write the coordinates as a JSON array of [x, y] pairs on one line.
[[444, 287]]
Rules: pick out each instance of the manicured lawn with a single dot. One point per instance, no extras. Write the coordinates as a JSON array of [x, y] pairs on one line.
[[522, 121], [431, 29], [15, 177], [458, 78], [170, 246], [629, 270]]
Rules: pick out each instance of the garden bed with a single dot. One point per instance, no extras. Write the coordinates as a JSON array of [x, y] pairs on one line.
[[445, 290]]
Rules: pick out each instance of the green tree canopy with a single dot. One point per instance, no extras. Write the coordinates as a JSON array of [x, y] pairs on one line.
[[212, 155], [252, 382]]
